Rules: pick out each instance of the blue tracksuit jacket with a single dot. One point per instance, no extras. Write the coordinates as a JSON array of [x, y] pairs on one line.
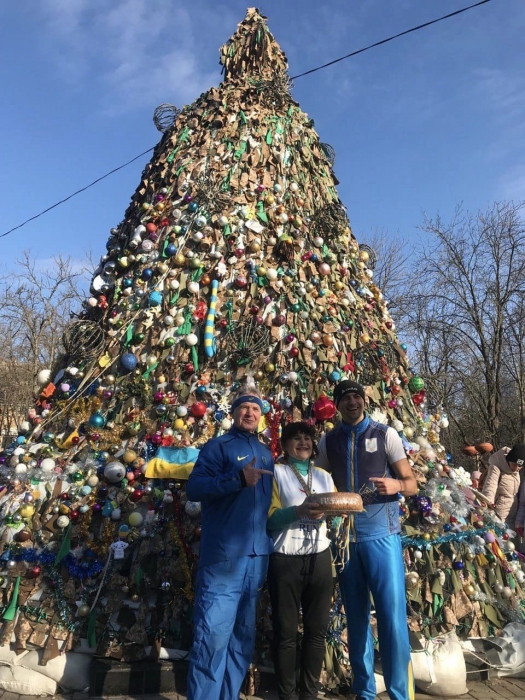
[[233, 517]]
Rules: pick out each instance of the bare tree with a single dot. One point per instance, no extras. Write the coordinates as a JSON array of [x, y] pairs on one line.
[[36, 304], [392, 273], [465, 307]]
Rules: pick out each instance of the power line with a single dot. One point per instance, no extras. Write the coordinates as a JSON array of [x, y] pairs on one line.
[[295, 77], [390, 38], [82, 189]]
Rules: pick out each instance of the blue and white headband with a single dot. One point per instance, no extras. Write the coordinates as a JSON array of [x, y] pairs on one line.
[[248, 398]]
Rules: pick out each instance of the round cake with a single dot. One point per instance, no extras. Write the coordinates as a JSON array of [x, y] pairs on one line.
[[338, 502]]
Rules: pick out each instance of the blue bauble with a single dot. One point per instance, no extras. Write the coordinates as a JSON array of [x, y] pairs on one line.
[[97, 420], [171, 249], [334, 376], [265, 407], [128, 361], [155, 299], [202, 389], [127, 282], [193, 206], [20, 440], [147, 273], [458, 565]]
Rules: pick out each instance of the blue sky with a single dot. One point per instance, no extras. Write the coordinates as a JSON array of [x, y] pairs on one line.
[[421, 124]]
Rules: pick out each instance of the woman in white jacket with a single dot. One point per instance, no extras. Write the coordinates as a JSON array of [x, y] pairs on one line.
[[300, 570], [502, 482]]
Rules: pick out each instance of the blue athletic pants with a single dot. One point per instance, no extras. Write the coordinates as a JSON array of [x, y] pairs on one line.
[[376, 567], [226, 596]]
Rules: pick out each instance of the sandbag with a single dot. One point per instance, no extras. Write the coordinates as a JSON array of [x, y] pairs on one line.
[[69, 670], [504, 655], [380, 683], [508, 650], [23, 681], [439, 667]]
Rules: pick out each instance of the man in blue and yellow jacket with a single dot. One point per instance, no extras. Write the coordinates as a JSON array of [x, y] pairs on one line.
[[232, 479], [367, 457]]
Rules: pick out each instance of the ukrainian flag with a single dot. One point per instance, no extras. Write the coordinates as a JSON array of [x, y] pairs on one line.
[[172, 463]]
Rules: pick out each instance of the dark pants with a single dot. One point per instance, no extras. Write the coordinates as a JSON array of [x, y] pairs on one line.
[[294, 582]]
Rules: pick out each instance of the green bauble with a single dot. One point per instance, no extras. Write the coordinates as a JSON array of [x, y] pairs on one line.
[[416, 384]]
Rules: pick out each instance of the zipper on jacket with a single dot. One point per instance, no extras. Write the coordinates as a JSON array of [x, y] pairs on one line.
[[352, 480]]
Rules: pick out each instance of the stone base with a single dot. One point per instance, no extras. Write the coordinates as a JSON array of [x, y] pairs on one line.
[[112, 677]]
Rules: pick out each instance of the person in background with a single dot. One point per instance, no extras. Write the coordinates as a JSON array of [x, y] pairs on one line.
[[368, 458], [502, 482], [232, 479], [300, 570], [475, 479]]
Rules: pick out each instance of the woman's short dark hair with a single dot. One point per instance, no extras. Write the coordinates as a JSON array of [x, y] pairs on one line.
[[291, 430]]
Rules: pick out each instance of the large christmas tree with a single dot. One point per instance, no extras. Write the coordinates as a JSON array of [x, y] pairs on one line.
[[235, 262]]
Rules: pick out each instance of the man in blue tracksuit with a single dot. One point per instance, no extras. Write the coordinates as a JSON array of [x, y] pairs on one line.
[[368, 458], [233, 479]]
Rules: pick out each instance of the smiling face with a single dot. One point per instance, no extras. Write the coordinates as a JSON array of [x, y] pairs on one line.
[[247, 416], [352, 408], [299, 446]]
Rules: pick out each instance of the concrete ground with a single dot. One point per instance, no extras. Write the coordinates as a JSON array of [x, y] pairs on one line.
[[495, 689]]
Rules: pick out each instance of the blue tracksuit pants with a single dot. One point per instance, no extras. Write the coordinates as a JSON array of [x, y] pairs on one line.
[[376, 567], [226, 596]]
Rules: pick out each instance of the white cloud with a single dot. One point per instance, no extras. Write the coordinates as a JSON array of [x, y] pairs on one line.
[[138, 51]]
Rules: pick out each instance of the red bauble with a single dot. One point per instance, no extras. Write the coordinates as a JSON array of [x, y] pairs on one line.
[[34, 571], [395, 389], [419, 397], [151, 227], [324, 408], [293, 352], [198, 409], [74, 515], [223, 323], [188, 367], [136, 495]]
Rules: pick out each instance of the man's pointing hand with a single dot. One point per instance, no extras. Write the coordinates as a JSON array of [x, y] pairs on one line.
[[252, 475]]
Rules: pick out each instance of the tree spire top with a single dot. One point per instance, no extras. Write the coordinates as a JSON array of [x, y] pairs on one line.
[[252, 51]]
